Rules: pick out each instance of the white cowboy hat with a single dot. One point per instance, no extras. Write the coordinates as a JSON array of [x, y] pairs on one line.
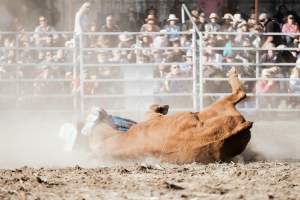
[[237, 17], [228, 16], [213, 15], [172, 17]]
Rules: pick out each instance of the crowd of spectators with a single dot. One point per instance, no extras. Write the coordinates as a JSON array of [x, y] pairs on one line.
[[141, 48]]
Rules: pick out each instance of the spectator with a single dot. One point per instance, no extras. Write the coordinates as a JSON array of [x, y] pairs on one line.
[[172, 28], [228, 23], [268, 85], [188, 25], [172, 85], [150, 25], [43, 32], [201, 22], [294, 84], [81, 19], [269, 56], [110, 26], [130, 22], [237, 19], [213, 25], [270, 26], [281, 14], [161, 40], [291, 26]]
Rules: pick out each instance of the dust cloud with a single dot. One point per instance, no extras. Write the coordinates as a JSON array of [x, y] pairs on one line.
[[33, 139]]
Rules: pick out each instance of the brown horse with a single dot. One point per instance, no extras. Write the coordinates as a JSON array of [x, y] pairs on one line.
[[218, 133]]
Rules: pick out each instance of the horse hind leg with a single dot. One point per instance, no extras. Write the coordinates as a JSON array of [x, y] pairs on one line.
[[238, 93]]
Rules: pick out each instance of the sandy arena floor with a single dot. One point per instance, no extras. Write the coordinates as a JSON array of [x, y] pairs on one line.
[[260, 180]]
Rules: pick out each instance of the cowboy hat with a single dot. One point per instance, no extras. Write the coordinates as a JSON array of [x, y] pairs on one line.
[[172, 17], [213, 15], [228, 16]]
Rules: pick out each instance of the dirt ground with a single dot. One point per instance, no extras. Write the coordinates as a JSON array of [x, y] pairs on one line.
[[34, 142], [258, 180]]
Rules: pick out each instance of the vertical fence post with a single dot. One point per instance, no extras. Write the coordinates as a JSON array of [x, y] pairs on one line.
[[75, 77], [256, 77], [17, 45], [201, 82], [81, 75], [194, 50], [182, 14]]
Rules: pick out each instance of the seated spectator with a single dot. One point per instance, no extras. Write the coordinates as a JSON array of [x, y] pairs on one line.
[[130, 21], [255, 38], [268, 86], [150, 25], [201, 22], [242, 28], [110, 26], [185, 40], [270, 26], [187, 67], [269, 56], [43, 31], [126, 41], [294, 85], [237, 19], [228, 52], [228, 23], [172, 85], [291, 26], [144, 55], [188, 25], [160, 72], [281, 14], [161, 40], [213, 25], [172, 28], [176, 55]]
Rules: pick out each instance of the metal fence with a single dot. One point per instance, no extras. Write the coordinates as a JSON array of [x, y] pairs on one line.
[[100, 75]]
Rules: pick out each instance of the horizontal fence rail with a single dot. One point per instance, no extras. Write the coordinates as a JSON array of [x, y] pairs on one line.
[[133, 83]]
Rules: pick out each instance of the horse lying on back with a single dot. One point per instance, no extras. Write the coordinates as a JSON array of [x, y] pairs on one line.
[[217, 133]]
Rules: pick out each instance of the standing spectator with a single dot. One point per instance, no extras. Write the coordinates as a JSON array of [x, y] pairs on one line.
[[81, 19], [291, 26], [172, 28], [43, 31], [110, 26]]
